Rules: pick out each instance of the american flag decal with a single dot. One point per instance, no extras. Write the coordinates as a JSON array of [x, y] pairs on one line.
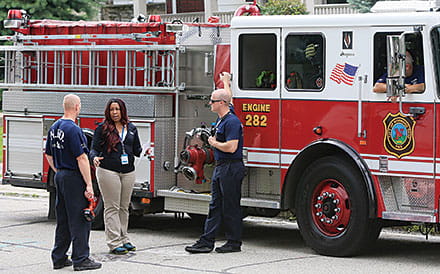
[[344, 74]]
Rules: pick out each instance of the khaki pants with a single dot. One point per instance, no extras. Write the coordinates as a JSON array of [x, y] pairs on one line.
[[116, 189]]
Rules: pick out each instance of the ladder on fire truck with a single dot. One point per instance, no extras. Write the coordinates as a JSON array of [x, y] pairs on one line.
[[78, 62]]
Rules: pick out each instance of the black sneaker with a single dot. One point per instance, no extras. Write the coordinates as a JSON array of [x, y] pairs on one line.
[[67, 262], [87, 264], [129, 247], [198, 247], [227, 248], [119, 251]]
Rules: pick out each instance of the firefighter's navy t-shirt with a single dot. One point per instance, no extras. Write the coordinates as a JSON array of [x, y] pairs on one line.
[[418, 77], [229, 128], [65, 142]]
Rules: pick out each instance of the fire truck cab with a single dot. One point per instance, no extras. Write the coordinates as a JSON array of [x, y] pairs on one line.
[[347, 159]]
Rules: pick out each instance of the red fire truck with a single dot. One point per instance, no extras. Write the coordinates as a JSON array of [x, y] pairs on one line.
[[318, 141]]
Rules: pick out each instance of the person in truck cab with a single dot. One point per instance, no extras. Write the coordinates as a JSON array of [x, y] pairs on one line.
[[414, 78]]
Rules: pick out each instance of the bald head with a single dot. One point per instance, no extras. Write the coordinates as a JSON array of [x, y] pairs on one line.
[[221, 94], [70, 102]]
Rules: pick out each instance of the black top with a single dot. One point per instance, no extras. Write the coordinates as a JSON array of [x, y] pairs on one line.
[[112, 160]]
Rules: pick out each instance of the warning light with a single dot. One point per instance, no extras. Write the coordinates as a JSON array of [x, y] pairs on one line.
[[145, 200]]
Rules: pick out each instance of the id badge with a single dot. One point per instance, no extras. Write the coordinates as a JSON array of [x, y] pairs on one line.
[[124, 159]]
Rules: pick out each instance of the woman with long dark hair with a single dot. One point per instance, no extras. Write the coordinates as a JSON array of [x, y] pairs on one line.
[[114, 146]]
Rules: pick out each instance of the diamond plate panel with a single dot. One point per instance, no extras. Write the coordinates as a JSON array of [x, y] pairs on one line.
[[195, 35], [408, 194], [415, 194], [164, 151], [140, 105], [388, 193]]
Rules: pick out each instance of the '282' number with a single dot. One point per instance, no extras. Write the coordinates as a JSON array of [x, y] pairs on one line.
[[256, 120]]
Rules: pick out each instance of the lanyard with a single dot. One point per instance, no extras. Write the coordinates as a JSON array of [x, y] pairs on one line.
[[221, 119], [121, 138]]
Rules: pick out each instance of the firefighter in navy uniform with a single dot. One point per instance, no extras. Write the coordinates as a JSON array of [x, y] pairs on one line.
[[66, 152], [224, 208], [414, 77]]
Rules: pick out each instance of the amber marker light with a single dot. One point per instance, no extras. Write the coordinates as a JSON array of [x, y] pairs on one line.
[[145, 201], [318, 130]]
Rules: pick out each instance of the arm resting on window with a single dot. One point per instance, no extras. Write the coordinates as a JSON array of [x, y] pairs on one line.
[[415, 88], [380, 87]]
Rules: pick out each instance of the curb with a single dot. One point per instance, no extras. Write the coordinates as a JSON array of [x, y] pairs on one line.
[[23, 195], [12, 191]]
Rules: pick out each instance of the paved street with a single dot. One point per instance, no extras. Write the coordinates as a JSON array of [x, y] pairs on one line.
[[270, 246]]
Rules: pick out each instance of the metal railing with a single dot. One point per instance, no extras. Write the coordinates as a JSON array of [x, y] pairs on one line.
[[225, 17], [90, 67], [334, 9]]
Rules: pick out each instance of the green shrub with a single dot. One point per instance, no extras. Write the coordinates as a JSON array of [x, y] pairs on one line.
[[283, 7]]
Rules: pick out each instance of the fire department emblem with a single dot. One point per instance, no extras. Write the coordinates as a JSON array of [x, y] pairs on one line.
[[399, 134]]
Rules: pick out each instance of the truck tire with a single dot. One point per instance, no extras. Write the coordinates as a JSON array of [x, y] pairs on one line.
[[332, 208]]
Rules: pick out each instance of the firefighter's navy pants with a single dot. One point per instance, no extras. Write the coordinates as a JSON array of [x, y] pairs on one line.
[[225, 204], [72, 227]]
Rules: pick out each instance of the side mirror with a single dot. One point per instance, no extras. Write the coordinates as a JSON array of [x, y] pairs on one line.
[[396, 52]]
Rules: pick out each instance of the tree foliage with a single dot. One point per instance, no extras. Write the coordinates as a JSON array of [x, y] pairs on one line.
[[283, 7], [52, 9], [48, 9], [362, 5]]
